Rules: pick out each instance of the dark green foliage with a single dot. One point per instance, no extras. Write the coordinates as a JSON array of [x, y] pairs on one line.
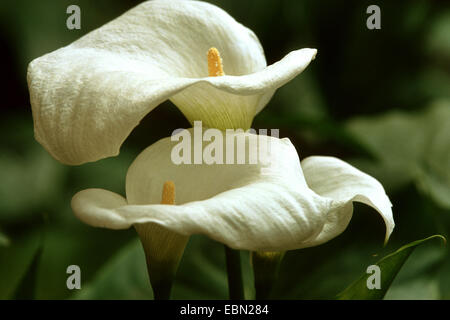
[[378, 99]]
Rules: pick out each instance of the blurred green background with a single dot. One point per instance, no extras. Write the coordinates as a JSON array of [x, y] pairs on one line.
[[379, 99]]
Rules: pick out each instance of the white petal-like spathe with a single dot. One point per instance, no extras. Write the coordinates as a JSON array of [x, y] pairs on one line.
[[337, 180], [87, 97], [266, 207]]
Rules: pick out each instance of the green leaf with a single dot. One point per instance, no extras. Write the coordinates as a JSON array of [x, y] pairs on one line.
[[31, 179], [73, 243], [50, 35], [409, 147], [15, 261], [390, 265], [4, 240], [123, 277], [27, 287], [438, 39], [201, 274]]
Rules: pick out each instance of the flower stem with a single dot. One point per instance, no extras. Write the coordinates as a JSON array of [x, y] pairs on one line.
[[162, 285], [234, 270], [266, 265], [163, 251]]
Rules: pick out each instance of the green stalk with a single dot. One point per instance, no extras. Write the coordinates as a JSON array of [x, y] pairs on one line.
[[234, 270], [266, 265]]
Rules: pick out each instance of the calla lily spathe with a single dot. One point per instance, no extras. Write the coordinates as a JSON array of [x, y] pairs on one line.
[[280, 205], [88, 96]]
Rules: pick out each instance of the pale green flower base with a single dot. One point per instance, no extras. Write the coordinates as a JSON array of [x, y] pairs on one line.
[[163, 252], [266, 265]]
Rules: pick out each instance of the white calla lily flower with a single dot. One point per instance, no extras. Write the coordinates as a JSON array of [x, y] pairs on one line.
[[280, 205], [88, 96]]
